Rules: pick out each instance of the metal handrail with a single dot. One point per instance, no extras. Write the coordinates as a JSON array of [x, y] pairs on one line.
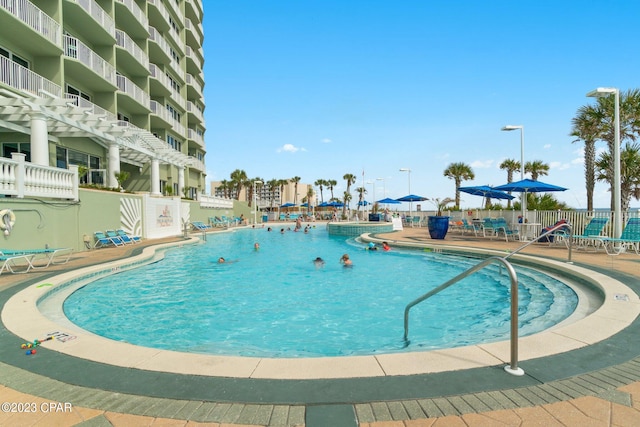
[[513, 365]]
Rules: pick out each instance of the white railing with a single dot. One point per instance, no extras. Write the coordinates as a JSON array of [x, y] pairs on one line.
[[163, 10], [91, 107], [98, 13], [25, 80], [197, 30], [35, 18], [21, 179], [127, 86], [136, 12], [156, 37], [175, 95], [160, 75], [215, 202], [160, 111], [191, 80], [193, 135], [193, 109], [177, 127], [74, 48], [190, 53], [123, 40]]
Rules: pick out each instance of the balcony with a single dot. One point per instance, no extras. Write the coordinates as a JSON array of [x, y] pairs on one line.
[[194, 33], [158, 48], [194, 87], [136, 100], [178, 99], [194, 63], [131, 52], [175, 10], [90, 107], [193, 8], [24, 80], [193, 110], [160, 116], [178, 128], [158, 15], [82, 54], [193, 135], [30, 15], [130, 16], [100, 29], [22, 179], [159, 84]]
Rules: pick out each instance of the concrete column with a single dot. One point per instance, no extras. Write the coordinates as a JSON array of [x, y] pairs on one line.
[[155, 177], [39, 140], [180, 181], [113, 167]]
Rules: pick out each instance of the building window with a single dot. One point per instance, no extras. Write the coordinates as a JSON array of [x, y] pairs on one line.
[[16, 147], [73, 91], [66, 157], [13, 57], [173, 112], [174, 143]]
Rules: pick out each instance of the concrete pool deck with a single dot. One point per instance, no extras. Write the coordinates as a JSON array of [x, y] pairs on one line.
[[596, 380]]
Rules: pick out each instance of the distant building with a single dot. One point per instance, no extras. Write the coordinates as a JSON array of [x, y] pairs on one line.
[[110, 85], [267, 198]]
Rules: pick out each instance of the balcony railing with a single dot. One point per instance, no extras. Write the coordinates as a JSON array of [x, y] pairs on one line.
[[215, 202], [35, 18], [193, 135], [197, 29], [23, 79], [98, 13], [175, 96], [74, 48], [194, 82], [193, 109], [177, 127], [127, 86], [136, 12], [19, 178], [89, 106], [191, 53], [159, 110], [160, 75], [161, 9], [124, 41]]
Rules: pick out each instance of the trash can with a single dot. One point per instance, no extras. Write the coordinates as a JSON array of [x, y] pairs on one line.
[[265, 218], [374, 217]]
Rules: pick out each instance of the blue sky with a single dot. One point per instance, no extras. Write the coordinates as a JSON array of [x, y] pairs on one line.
[[318, 89]]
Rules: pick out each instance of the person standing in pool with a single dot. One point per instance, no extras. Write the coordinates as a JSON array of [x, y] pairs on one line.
[[346, 261], [318, 262]]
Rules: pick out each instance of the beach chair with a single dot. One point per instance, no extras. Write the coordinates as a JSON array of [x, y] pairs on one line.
[[416, 221], [469, 226], [126, 237], [488, 228], [16, 263], [117, 240], [500, 226], [200, 226], [558, 236], [102, 240], [590, 236], [629, 239]]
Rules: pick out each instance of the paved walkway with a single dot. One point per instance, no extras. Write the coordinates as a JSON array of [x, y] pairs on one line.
[[598, 386]]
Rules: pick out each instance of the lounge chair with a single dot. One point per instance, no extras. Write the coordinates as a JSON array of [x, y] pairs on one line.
[[117, 240], [629, 239], [500, 226], [50, 256], [102, 240], [415, 221], [557, 236], [488, 227], [200, 226], [590, 237], [469, 226], [126, 237], [16, 263]]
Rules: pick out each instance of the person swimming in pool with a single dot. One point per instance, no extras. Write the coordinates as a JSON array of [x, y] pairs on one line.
[[372, 247], [346, 261], [256, 246], [386, 246], [318, 262]]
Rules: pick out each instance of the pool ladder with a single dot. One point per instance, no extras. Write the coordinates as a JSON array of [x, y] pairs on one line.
[[512, 368]]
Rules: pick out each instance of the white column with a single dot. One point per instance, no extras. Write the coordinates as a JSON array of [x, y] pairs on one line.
[[180, 181], [39, 140], [155, 177], [113, 167]]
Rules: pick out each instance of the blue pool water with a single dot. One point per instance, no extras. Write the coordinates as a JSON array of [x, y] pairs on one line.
[[274, 302]]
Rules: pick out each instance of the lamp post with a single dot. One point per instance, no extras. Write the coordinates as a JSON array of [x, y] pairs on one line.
[[384, 187], [409, 173], [255, 201], [523, 203], [617, 201], [373, 183]]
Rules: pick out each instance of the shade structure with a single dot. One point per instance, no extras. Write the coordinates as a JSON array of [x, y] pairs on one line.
[[412, 198], [529, 186], [486, 191], [288, 205], [389, 201]]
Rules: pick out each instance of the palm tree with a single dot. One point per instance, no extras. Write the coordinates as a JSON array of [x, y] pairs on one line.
[[459, 172], [510, 166], [224, 186], [629, 172], [331, 183], [346, 199], [536, 168], [319, 183], [585, 128], [309, 197], [361, 192], [249, 185], [295, 180], [351, 179], [238, 177], [282, 183]]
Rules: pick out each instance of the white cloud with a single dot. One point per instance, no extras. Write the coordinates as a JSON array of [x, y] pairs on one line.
[[326, 141], [290, 148], [482, 164], [559, 165], [546, 146]]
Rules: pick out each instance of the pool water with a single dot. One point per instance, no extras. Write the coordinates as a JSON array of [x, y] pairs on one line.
[[275, 302]]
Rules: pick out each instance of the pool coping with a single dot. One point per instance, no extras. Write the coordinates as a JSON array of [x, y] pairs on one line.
[[21, 317]]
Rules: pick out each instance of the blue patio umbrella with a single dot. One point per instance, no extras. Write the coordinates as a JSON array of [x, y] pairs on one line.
[[486, 191], [288, 205], [529, 186], [363, 203], [412, 198], [389, 201]]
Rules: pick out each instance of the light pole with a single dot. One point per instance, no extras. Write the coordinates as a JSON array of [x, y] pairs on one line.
[[255, 201], [374, 191], [409, 173], [617, 201], [523, 202]]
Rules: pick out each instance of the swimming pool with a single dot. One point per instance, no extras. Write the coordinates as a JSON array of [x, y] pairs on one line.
[[275, 303]]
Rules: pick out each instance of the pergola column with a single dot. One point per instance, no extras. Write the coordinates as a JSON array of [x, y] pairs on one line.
[[155, 177], [180, 181], [113, 167], [39, 140]]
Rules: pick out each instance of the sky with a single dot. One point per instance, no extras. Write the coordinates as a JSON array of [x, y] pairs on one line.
[[319, 89]]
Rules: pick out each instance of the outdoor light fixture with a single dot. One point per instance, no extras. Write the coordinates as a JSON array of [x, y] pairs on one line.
[[617, 201], [523, 201], [409, 173]]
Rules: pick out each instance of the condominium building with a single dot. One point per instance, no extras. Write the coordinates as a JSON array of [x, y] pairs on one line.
[[109, 85]]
